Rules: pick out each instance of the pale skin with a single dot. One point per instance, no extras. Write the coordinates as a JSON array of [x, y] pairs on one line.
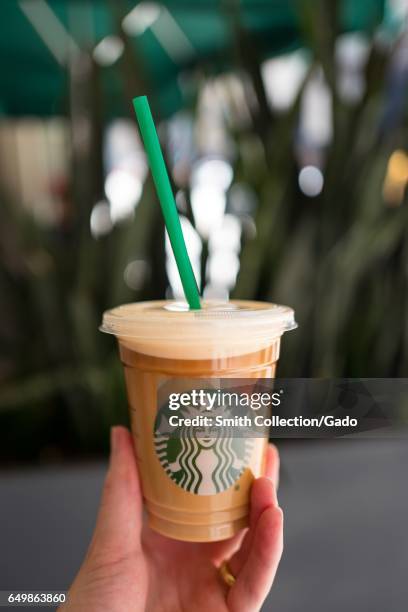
[[130, 568]]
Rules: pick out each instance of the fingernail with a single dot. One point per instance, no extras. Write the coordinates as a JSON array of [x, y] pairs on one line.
[[274, 493], [275, 490]]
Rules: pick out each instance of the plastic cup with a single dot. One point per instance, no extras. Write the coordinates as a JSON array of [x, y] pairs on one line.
[[164, 345]]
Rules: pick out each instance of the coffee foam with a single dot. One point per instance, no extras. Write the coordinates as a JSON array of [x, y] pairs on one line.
[[170, 331], [206, 349]]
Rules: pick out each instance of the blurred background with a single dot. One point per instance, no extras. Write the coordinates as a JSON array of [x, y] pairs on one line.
[[284, 126]]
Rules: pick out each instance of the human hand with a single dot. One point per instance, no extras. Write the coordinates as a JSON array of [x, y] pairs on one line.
[[130, 568]]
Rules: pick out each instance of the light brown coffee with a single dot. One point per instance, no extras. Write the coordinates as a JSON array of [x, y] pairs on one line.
[[195, 500]]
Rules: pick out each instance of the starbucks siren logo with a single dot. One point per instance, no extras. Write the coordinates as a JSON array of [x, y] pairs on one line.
[[202, 461]]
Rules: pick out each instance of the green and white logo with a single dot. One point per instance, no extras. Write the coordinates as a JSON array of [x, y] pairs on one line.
[[203, 462]]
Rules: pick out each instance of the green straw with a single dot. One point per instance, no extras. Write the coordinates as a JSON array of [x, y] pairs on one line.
[[167, 202]]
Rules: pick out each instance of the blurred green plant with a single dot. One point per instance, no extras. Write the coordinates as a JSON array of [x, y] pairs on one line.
[[339, 259]]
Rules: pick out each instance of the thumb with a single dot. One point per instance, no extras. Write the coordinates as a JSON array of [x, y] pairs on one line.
[[118, 528], [256, 577]]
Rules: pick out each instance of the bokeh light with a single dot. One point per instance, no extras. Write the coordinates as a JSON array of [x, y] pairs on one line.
[[194, 248], [282, 77], [208, 205], [101, 221], [123, 190], [135, 273], [311, 181], [108, 50]]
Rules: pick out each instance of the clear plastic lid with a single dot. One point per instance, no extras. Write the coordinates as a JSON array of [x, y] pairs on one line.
[[173, 322]]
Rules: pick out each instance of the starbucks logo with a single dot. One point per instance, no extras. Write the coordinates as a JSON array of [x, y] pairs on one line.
[[202, 461]]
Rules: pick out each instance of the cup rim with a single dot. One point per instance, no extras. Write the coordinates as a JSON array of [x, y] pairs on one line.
[[169, 319]]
